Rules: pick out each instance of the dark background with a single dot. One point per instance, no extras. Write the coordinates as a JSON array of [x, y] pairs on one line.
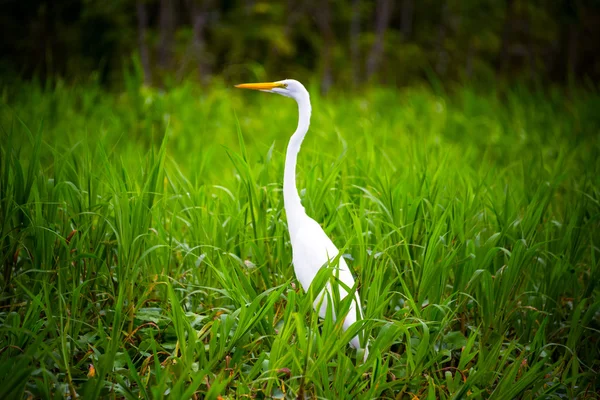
[[332, 42]]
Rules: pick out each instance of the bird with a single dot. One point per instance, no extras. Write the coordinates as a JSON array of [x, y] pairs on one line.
[[312, 249]]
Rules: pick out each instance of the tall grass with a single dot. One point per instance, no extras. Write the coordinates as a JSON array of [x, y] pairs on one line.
[[145, 251]]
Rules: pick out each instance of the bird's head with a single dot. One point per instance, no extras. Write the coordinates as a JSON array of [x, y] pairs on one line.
[[287, 87]]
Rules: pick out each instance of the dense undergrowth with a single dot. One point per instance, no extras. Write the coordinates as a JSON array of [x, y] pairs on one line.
[[144, 249]]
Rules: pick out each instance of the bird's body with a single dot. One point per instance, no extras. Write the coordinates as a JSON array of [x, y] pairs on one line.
[[311, 247]]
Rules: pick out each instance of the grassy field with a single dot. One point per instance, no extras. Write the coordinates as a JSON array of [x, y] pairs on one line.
[[145, 252]]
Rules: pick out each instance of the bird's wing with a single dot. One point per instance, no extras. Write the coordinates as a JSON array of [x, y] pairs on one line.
[[312, 249]]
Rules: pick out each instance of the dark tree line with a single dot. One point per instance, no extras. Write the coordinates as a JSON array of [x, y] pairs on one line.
[[339, 41]]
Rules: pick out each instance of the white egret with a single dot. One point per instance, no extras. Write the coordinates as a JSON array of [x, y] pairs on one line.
[[311, 247]]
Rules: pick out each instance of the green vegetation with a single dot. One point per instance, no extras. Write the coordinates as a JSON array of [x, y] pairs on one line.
[[145, 251], [339, 42]]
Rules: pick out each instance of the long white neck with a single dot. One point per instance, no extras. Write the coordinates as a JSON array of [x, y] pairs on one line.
[[291, 199]]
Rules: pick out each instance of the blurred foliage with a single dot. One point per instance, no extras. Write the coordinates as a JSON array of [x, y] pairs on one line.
[[332, 40]]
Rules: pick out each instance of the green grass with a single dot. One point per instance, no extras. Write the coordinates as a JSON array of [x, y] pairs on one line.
[[145, 252]]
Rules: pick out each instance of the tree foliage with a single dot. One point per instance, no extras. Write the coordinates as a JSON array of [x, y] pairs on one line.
[[339, 41]]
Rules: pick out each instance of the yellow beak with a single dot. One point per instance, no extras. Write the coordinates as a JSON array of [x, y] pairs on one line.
[[260, 86]]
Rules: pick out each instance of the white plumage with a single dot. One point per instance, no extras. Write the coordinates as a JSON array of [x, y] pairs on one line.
[[312, 249]]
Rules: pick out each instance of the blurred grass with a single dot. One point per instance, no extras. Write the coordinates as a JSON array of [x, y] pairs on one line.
[[145, 252]]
